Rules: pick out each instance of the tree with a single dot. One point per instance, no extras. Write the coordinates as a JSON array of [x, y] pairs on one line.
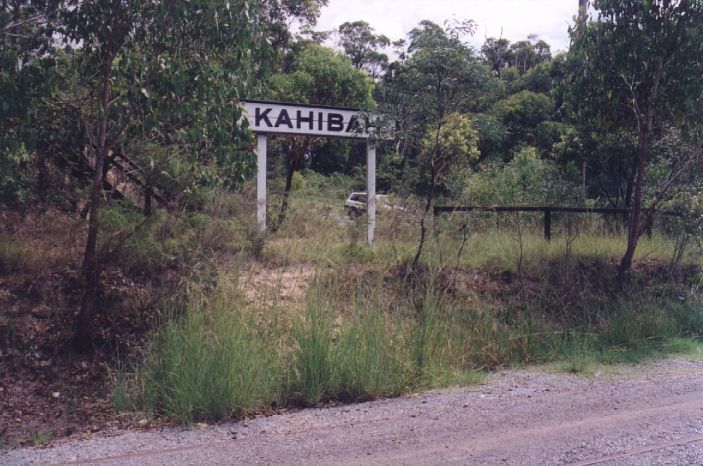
[[165, 72], [361, 44], [26, 76], [447, 147], [429, 95], [497, 53], [440, 75], [638, 67], [318, 75], [521, 114], [276, 16], [522, 55]]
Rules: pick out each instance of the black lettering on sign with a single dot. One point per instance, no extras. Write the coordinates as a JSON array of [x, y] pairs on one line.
[[335, 122], [319, 120], [309, 120], [283, 119], [353, 125], [259, 116]]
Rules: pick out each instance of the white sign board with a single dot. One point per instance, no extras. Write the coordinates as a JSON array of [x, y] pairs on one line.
[[283, 118]]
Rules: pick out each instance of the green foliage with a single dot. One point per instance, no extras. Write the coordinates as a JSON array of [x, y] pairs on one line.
[[549, 133], [335, 186], [441, 76], [216, 357], [519, 57], [172, 107], [26, 77], [521, 113], [633, 70], [148, 246], [646, 52], [369, 361], [453, 141], [319, 75], [17, 257], [298, 182], [526, 180], [539, 79], [362, 45], [491, 133], [15, 182]]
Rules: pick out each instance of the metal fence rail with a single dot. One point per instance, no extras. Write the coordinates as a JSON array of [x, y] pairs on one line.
[[547, 211]]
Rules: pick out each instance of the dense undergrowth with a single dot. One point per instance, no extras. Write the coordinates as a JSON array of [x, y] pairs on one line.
[[490, 293], [384, 332]]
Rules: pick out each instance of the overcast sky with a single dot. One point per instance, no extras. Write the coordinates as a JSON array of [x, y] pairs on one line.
[[549, 19]]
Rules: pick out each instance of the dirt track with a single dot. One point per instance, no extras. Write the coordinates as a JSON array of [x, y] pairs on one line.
[[646, 414]]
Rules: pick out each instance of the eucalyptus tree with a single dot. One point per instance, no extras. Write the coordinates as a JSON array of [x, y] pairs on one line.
[[521, 113], [447, 147], [364, 47], [164, 72], [278, 16], [441, 76], [637, 67]]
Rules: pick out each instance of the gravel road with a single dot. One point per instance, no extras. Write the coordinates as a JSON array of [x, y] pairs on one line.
[[646, 414]]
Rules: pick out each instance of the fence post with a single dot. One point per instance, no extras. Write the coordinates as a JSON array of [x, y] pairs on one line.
[[548, 224]]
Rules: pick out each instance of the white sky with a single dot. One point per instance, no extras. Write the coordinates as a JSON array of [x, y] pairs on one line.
[[549, 19]]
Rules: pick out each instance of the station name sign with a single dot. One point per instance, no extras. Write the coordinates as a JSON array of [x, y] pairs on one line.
[[284, 118]]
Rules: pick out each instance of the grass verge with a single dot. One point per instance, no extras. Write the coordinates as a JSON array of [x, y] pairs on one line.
[[378, 335]]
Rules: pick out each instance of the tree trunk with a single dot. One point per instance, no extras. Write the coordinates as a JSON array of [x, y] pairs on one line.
[[147, 200], [296, 150], [633, 229], [286, 193], [83, 338], [423, 228]]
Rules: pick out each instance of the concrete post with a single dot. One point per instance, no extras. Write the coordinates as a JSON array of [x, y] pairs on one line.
[[261, 183], [371, 189]]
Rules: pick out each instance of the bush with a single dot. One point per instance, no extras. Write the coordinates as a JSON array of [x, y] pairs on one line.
[[148, 245], [526, 179]]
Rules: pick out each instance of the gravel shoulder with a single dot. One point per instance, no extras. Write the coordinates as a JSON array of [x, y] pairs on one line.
[[645, 414]]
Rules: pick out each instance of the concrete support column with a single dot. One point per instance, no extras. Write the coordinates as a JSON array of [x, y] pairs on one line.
[[261, 183], [371, 189]]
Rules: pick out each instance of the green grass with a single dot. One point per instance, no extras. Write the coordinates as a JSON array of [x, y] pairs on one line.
[[315, 234], [18, 257], [219, 358], [210, 362], [42, 436]]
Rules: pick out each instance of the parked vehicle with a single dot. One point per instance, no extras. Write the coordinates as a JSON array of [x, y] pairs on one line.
[[355, 204]]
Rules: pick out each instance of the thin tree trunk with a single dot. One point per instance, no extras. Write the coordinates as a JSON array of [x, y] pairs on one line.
[[83, 338], [423, 227], [297, 149], [286, 194], [634, 230], [147, 200]]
